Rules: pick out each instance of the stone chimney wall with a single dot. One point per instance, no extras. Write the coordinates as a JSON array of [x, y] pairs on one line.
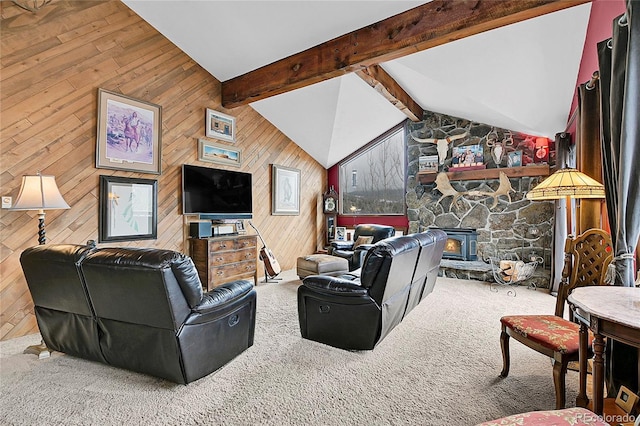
[[518, 227]]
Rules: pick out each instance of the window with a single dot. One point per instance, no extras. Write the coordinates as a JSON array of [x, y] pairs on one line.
[[372, 182]]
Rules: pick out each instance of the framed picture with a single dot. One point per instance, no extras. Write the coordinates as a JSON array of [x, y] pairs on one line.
[[467, 156], [285, 191], [220, 126], [128, 209], [341, 233], [218, 153], [514, 159], [428, 163], [129, 134]]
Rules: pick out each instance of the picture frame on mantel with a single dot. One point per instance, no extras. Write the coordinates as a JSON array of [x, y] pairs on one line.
[[128, 209], [220, 126], [129, 134], [285, 191]]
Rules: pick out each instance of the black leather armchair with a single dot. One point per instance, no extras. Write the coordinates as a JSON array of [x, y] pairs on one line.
[[355, 255], [139, 309], [357, 313]]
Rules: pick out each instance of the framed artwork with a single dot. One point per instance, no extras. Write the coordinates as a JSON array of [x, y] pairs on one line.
[[285, 191], [218, 153], [341, 233], [128, 209], [129, 134], [428, 163], [467, 156], [514, 159], [220, 126]]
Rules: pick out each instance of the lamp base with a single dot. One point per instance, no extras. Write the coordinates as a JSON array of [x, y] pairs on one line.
[[41, 350]]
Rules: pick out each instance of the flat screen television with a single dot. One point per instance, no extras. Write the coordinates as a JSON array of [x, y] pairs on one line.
[[216, 193]]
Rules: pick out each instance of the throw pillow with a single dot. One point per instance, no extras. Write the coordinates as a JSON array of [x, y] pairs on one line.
[[362, 240]]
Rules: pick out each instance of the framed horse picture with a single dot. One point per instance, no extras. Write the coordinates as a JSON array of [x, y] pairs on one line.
[[128, 134]]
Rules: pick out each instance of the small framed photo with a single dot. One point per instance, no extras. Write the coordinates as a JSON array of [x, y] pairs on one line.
[[240, 227], [626, 399], [341, 233], [220, 126], [428, 163], [285, 191], [129, 134], [128, 209], [217, 153], [514, 159]]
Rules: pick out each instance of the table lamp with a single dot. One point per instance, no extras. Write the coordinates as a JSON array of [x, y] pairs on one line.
[[39, 193]]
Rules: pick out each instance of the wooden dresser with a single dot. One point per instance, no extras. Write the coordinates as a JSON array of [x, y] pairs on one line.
[[223, 259]]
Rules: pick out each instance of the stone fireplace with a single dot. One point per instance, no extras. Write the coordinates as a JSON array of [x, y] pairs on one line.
[[503, 227], [462, 244]]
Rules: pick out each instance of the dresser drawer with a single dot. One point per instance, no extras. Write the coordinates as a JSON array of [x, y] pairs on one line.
[[225, 257], [232, 271]]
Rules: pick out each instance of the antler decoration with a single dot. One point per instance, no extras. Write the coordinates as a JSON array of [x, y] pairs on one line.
[[444, 186], [441, 144]]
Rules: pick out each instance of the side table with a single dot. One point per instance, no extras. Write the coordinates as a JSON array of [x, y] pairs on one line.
[[612, 312]]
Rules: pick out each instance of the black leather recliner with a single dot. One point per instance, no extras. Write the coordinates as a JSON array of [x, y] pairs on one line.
[[139, 309], [357, 313], [355, 255]]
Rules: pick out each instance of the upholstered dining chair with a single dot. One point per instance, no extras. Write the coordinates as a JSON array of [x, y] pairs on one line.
[[587, 257]]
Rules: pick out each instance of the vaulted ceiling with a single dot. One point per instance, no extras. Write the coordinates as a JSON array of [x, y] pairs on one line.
[[333, 75]]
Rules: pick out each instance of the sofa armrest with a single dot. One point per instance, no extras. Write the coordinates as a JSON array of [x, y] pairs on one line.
[[342, 245], [223, 295], [334, 285]]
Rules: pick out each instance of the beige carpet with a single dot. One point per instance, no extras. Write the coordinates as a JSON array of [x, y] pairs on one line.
[[440, 366]]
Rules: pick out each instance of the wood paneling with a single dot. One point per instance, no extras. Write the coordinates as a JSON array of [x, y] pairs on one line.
[[52, 64]]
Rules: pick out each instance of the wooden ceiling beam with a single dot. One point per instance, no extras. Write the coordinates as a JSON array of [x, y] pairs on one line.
[[384, 84], [431, 24]]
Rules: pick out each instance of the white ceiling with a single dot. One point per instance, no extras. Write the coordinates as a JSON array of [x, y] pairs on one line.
[[521, 77]]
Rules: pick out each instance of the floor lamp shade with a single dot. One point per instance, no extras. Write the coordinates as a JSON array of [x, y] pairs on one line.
[[39, 193], [567, 183]]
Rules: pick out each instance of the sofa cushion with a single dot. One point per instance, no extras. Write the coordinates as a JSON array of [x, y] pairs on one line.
[[362, 240]]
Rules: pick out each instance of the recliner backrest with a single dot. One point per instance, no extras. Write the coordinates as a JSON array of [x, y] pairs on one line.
[[142, 286], [378, 232], [53, 277]]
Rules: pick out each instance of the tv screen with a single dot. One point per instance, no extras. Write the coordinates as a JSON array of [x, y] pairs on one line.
[[216, 193]]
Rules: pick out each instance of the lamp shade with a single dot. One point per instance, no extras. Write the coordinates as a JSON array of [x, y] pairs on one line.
[[39, 193], [565, 183]]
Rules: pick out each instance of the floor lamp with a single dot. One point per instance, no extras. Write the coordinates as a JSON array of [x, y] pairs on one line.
[[39, 193], [567, 184]]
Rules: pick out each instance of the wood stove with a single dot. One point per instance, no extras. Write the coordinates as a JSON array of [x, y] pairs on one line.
[[461, 244]]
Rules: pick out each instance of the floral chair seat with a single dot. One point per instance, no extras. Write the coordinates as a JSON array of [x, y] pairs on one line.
[[550, 331], [567, 417]]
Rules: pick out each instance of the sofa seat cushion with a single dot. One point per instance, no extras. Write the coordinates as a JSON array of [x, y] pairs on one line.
[[567, 417], [550, 331]]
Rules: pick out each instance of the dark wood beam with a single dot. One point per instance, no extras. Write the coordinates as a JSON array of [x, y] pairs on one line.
[[384, 84], [420, 28]]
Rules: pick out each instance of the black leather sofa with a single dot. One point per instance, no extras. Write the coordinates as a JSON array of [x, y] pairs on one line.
[[138, 309], [355, 254], [357, 313]]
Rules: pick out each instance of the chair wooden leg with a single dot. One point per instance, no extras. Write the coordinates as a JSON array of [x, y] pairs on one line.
[[504, 345], [559, 374]]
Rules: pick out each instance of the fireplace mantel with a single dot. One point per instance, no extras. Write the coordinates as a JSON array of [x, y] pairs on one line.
[[494, 173]]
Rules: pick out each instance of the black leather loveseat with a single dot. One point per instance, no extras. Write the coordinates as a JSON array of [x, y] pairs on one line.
[[356, 313], [138, 309]]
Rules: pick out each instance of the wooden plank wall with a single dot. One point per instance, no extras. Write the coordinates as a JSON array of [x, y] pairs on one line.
[[52, 64]]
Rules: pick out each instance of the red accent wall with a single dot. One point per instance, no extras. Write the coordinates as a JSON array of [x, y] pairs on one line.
[[600, 28]]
